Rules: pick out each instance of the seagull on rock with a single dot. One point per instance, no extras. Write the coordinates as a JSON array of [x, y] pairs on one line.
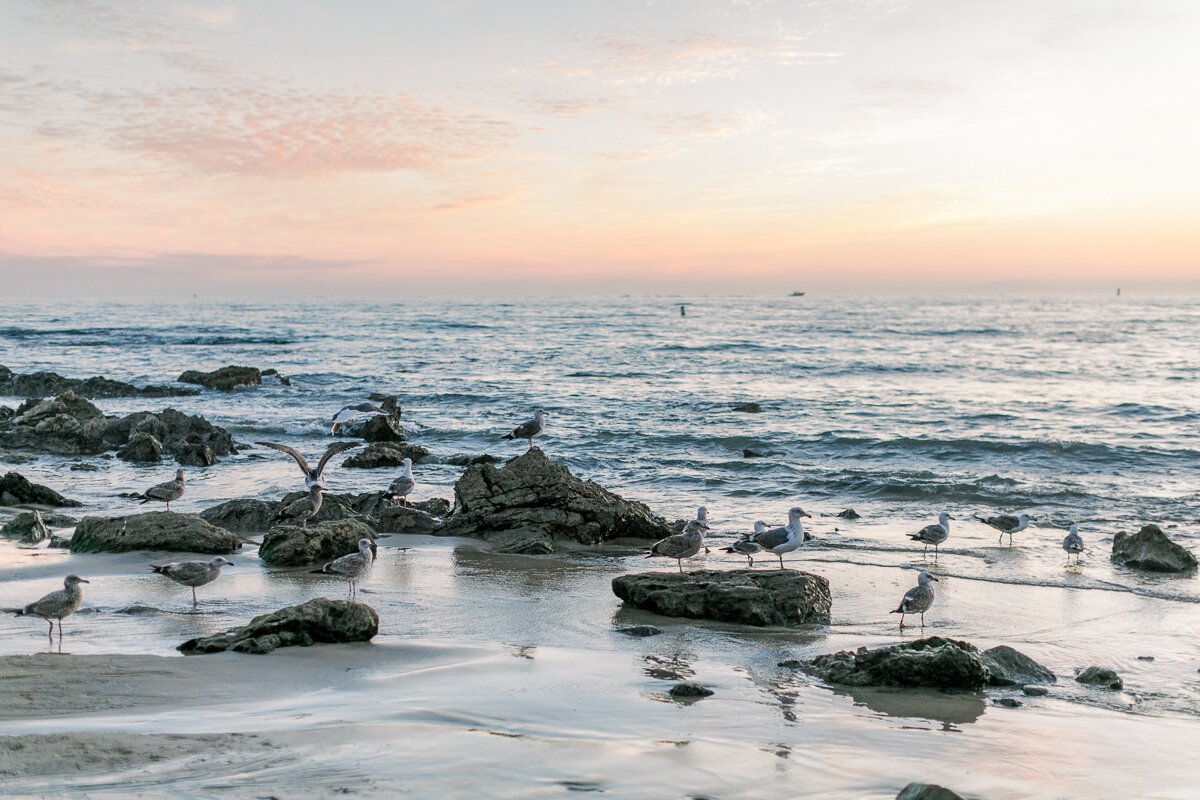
[[933, 534], [165, 492], [56, 605], [529, 428], [352, 566], [785, 539], [402, 486], [681, 545], [301, 510], [918, 599], [313, 477], [1006, 523], [745, 546], [351, 413], [193, 573], [1073, 543]]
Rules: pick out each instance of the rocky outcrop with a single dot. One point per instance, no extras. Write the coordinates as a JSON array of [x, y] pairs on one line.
[[225, 379], [243, 515], [51, 384], [537, 498], [1101, 676], [291, 546], [179, 433], [156, 530], [16, 490], [385, 428], [142, 448], [317, 621], [934, 662], [385, 454], [65, 425], [246, 515], [28, 527], [1149, 549], [408, 519], [196, 454], [1009, 667], [927, 791], [750, 597]]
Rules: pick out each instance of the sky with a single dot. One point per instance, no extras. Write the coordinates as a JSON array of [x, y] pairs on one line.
[[301, 148]]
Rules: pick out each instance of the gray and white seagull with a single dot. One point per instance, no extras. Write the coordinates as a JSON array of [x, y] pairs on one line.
[[786, 539], [917, 600], [1073, 543], [934, 534], [1006, 523], [529, 428], [313, 476], [57, 605], [402, 486], [351, 413], [351, 566], [681, 545], [193, 573], [301, 510], [165, 492]]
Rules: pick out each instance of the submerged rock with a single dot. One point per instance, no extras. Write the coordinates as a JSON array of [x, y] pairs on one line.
[[640, 631], [317, 621], [533, 495], [926, 791], [17, 490], [292, 546], [1035, 691], [689, 691], [408, 519], [750, 597], [385, 454], [142, 448], [467, 461], [155, 530], [933, 662], [748, 408], [225, 379], [1150, 549], [1009, 667], [1101, 676], [748, 453], [179, 433], [849, 513], [29, 527], [51, 384]]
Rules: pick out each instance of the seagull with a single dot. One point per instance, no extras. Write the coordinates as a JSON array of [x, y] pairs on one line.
[[402, 485], [352, 566], [193, 573], [56, 605], [934, 534], [918, 599], [301, 510], [682, 545], [165, 492], [350, 413], [1006, 523], [529, 428], [313, 477], [745, 546], [1073, 543], [785, 539], [702, 515]]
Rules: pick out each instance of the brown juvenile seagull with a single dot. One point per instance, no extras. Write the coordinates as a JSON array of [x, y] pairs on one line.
[[681, 545], [193, 573], [917, 600], [301, 510], [165, 492], [56, 605], [313, 477]]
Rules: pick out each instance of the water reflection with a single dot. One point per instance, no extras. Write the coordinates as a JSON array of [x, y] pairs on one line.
[[948, 708]]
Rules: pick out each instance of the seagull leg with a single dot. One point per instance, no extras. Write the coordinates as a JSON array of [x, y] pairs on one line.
[[902, 625], [51, 634], [1001, 539], [193, 597], [780, 560], [168, 505], [679, 563], [922, 619]]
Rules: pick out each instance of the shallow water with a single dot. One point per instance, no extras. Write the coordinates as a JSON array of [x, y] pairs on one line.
[[1070, 408]]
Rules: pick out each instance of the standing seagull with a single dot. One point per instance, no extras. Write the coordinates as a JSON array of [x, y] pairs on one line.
[[745, 546], [56, 605], [933, 534], [1006, 523], [785, 539], [1073, 543], [193, 573], [918, 599], [301, 510], [681, 545], [402, 485], [352, 566], [313, 477], [351, 413], [702, 515], [165, 492], [529, 428]]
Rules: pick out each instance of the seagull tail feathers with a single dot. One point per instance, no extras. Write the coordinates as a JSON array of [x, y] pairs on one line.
[[508, 437], [158, 568], [322, 571]]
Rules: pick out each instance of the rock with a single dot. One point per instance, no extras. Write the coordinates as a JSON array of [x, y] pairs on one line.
[[196, 454], [1008, 702], [225, 379], [274, 376], [1035, 691], [434, 506], [65, 425], [29, 527], [155, 530], [640, 631], [751, 454], [242, 515], [466, 461], [534, 495], [1009, 667], [317, 621], [750, 597], [59, 542], [142, 448], [689, 690], [291, 546], [1101, 676], [177, 431], [50, 384], [748, 408], [522, 542], [1145, 658], [933, 662], [849, 513], [1149, 549], [385, 454], [16, 490], [80, 466], [926, 791], [407, 519]]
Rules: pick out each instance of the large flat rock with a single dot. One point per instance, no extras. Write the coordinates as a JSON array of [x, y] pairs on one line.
[[156, 530], [317, 621], [750, 597]]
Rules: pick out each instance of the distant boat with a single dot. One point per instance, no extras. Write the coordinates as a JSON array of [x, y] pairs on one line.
[[797, 294]]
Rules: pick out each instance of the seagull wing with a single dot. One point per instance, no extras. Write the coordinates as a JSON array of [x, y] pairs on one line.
[[772, 538], [333, 450], [291, 451]]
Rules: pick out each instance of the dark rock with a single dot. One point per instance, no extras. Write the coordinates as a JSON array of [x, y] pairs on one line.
[[849, 513], [80, 466], [16, 490], [50, 384], [242, 515], [1035, 691], [926, 791], [291, 546], [1145, 658], [196, 454], [317, 621], [65, 425], [177, 431], [225, 379], [640, 631], [750, 597], [59, 542], [1008, 702], [1009, 667], [407, 519], [689, 690], [156, 530], [520, 541], [748, 408], [434, 506], [1149, 549], [29, 527], [142, 448], [275, 376], [385, 454], [933, 662], [1101, 676], [534, 495], [466, 461], [751, 454]]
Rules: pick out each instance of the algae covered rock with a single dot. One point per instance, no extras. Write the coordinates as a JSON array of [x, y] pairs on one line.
[[1151, 550], [155, 530], [385, 454], [933, 662], [17, 490], [292, 546], [1101, 676], [225, 379], [1009, 667], [28, 527], [317, 621], [750, 597]]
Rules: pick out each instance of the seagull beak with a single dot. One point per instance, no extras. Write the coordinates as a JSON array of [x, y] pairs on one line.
[[806, 514], [83, 580], [932, 578]]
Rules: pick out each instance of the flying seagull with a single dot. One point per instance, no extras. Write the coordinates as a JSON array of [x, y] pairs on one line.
[[192, 573], [351, 413], [529, 428], [165, 492], [933, 534], [313, 477], [1006, 523], [56, 605], [917, 600]]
